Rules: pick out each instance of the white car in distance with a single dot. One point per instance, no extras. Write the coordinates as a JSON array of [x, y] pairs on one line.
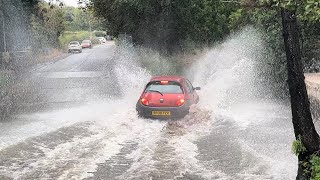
[[74, 46], [102, 40]]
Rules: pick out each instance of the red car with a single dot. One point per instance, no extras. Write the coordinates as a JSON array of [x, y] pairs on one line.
[[86, 44], [167, 97]]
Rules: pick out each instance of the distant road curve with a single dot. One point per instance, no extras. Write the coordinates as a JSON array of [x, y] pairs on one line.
[[313, 84]]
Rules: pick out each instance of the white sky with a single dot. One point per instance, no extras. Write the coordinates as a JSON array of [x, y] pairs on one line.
[[71, 2]]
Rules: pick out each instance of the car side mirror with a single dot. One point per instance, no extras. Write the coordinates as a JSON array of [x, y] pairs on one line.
[[197, 88]]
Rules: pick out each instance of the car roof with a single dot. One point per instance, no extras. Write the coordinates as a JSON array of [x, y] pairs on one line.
[[168, 78]]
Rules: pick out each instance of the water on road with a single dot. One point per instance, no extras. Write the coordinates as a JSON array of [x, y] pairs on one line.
[[81, 123]]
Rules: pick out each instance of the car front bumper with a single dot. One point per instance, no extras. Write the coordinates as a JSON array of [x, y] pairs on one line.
[[86, 46], [74, 49], [175, 112]]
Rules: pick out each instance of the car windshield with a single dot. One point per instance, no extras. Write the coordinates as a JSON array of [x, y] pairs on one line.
[[74, 43], [164, 88], [86, 41]]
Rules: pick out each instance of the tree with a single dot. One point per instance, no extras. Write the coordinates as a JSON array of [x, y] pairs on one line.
[[301, 116], [30, 22], [304, 128], [166, 25], [47, 24], [78, 19]]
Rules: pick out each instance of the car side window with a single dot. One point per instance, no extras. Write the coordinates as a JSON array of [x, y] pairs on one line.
[[189, 87]]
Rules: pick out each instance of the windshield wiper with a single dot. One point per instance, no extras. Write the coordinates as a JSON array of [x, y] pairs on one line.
[[155, 91]]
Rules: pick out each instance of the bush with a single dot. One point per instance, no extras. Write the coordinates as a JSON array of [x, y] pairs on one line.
[[95, 40], [100, 33], [298, 147], [315, 167]]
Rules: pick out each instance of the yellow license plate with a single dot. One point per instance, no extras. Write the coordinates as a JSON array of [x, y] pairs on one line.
[[161, 113]]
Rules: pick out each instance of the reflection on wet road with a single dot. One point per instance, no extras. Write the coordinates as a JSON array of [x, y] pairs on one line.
[[76, 79]]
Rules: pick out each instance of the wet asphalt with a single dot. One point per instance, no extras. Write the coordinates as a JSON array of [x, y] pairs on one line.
[[60, 133], [79, 78]]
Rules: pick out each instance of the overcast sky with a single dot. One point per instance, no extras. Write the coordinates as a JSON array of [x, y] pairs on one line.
[[70, 2]]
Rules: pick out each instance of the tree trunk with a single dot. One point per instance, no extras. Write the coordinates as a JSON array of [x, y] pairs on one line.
[[300, 105]]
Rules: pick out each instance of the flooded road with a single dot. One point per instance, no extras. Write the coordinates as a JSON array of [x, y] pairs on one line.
[[81, 123]]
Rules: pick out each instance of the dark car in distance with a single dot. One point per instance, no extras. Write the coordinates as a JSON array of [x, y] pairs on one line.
[[167, 97]]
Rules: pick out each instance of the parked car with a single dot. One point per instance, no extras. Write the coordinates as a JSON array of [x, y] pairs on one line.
[[86, 44], [167, 97], [74, 46], [102, 40]]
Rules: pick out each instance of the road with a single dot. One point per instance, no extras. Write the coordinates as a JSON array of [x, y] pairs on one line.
[[313, 81], [77, 120]]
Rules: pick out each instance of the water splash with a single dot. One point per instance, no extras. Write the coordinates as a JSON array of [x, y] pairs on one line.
[[236, 90], [233, 133]]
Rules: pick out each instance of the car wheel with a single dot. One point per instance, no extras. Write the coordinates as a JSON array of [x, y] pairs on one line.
[[140, 115]]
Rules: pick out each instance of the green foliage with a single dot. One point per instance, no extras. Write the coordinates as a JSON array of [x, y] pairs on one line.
[[308, 10], [167, 25], [47, 24], [310, 167], [82, 20], [298, 147], [268, 21], [315, 167], [95, 40], [311, 11], [39, 24], [100, 33]]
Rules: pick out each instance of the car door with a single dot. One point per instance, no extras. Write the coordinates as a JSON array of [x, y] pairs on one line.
[[192, 91], [190, 94]]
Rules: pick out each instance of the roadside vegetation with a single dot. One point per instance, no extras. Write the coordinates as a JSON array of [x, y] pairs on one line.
[[36, 31], [80, 24], [40, 25], [69, 36]]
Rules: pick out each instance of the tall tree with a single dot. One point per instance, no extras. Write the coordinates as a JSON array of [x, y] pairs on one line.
[[166, 25], [46, 24], [301, 116]]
